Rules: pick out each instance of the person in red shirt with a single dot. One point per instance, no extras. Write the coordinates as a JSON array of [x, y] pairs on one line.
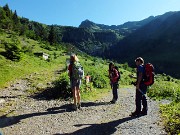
[[113, 76], [87, 78]]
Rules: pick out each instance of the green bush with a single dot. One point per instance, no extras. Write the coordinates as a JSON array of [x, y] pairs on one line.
[[99, 81], [12, 48], [171, 115], [27, 49], [62, 86], [165, 87], [165, 90], [13, 51], [99, 75]]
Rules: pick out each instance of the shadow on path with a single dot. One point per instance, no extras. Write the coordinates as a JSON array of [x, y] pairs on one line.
[[99, 129], [87, 104], [68, 107], [8, 121], [7, 97]]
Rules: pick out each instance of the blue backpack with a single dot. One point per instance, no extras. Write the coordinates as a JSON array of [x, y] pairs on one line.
[[77, 71]]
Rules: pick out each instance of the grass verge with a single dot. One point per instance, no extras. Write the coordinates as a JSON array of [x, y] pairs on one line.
[[166, 87]]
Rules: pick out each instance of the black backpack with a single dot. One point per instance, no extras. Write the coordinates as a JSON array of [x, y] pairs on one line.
[[116, 67]]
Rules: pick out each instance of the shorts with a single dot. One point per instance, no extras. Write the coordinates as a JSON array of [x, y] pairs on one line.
[[75, 83]]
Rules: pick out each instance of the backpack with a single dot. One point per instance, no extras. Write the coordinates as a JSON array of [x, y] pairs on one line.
[[116, 67], [149, 74], [77, 71]]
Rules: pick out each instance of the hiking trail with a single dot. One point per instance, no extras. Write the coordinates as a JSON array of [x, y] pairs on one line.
[[25, 115]]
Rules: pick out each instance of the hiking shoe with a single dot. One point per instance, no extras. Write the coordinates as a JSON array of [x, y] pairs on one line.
[[79, 105], [135, 114], [143, 112], [74, 107], [113, 101]]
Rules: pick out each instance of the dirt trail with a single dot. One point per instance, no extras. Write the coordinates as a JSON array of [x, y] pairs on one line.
[[29, 116]]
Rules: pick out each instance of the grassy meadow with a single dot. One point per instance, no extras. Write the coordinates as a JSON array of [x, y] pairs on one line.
[[165, 87]]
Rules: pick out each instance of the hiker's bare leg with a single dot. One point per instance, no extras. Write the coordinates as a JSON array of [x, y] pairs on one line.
[[74, 95], [78, 95]]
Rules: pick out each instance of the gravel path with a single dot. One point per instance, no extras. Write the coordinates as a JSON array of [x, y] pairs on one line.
[[24, 115]]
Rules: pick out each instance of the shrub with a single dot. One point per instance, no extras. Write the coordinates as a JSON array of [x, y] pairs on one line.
[[165, 90], [12, 51], [62, 86], [98, 77], [171, 116], [166, 87], [27, 49], [99, 81]]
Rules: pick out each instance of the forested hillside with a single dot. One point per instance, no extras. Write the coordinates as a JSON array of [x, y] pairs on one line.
[[154, 38], [158, 42]]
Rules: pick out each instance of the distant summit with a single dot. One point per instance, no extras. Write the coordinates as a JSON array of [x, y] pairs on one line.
[[87, 24], [124, 29], [90, 25]]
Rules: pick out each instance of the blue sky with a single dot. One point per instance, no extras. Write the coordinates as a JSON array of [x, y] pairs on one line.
[[73, 12]]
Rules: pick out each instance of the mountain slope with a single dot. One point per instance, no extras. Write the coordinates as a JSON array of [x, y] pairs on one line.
[[90, 42], [95, 38], [154, 38], [158, 42], [124, 29]]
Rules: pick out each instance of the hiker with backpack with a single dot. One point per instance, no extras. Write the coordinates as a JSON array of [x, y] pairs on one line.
[[114, 78], [76, 74], [145, 77]]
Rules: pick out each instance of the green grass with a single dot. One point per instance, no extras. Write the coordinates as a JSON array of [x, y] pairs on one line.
[[29, 64], [12, 70], [166, 87], [171, 115], [95, 94], [41, 71]]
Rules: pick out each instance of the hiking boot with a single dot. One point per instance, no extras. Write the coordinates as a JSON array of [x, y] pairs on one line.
[[143, 112], [135, 114], [79, 106], [113, 101], [74, 107]]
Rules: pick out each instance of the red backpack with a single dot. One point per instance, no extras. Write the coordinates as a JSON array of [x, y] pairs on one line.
[[149, 74]]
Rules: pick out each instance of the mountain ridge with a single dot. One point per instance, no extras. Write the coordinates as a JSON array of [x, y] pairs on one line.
[[158, 42], [118, 28], [157, 37]]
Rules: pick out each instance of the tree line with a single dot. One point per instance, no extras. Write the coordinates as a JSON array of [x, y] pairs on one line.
[[10, 21]]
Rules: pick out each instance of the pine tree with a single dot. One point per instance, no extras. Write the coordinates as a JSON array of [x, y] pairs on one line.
[[8, 11], [16, 22], [2, 17], [7, 22], [52, 38]]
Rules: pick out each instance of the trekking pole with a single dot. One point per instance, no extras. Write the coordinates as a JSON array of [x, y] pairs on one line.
[[141, 92]]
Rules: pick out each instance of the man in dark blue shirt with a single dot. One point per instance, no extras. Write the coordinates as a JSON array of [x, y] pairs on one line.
[[141, 89]]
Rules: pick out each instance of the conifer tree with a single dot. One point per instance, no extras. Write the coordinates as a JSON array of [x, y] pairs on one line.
[[7, 22], [16, 22], [52, 38], [2, 17], [8, 11]]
